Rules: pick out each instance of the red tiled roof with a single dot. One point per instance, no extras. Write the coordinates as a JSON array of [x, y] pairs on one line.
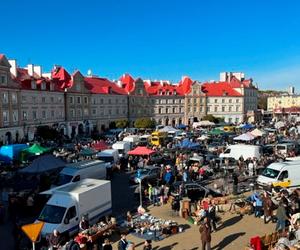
[[128, 82], [1, 56], [62, 78], [219, 89], [99, 85], [184, 86]]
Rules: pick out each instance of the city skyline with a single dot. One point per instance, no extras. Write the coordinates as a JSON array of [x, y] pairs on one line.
[[158, 40]]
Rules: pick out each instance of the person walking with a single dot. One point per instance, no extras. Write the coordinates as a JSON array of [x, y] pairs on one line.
[[147, 245], [123, 243], [281, 217], [107, 245], [267, 206], [205, 234]]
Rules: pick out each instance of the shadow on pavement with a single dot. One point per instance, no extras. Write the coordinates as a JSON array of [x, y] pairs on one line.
[[230, 222], [166, 247], [227, 240]]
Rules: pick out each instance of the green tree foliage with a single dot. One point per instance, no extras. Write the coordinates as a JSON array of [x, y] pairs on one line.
[[122, 123], [210, 118], [144, 123]]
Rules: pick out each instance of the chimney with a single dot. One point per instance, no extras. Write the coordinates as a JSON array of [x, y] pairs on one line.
[[13, 68], [119, 84], [37, 70], [161, 83], [30, 69]]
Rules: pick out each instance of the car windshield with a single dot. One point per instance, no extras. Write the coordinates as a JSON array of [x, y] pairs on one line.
[[63, 179], [106, 158], [52, 214], [143, 172], [270, 173]]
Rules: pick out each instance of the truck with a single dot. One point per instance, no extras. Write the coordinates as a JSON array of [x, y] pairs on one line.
[[241, 150], [90, 198], [122, 146], [74, 172], [132, 139]]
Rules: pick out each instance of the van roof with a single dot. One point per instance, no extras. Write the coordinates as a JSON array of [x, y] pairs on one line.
[[83, 164], [281, 165], [107, 151], [81, 186], [242, 145]]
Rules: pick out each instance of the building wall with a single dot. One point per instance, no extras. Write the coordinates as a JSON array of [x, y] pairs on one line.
[[229, 108], [284, 101]]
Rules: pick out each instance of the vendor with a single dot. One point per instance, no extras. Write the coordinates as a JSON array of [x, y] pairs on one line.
[[84, 224]]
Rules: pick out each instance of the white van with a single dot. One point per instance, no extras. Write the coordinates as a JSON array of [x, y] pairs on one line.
[[80, 170], [283, 174], [285, 148], [133, 139], [110, 156], [238, 150], [122, 146], [144, 140], [70, 202]]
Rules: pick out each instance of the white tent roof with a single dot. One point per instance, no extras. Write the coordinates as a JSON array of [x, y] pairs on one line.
[[279, 124], [244, 137], [168, 129], [203, 123], [256, 132]]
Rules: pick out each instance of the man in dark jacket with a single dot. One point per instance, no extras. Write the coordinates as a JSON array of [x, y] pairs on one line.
[[205, 233], [122, 245]]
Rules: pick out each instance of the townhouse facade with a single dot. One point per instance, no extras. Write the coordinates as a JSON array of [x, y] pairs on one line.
[[75, 104]]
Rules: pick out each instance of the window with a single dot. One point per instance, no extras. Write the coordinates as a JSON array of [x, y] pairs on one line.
[[109, 111], [52, 99], [216, 108], [223, 100], [33, 99], [94, 111], [174, 110], [14, 98], [3, 79], [208, 108], [78, 99], [23, 99], [33, 85], [229, 108], [216, 100], [85, 100], [79, 113], [44, 114], [223, 108], [237, 100], [159, 110], [5, 116], [72, 112], [208, 100], [71, 212], [230, 100], [109, 101], [237, 120], [24, 116], [52, 113], [93, 100], [284, 175], [71, 99], [85, 112], [59, 99], [43, 86], [51, 86], [34, 117], [101, 101], [117, 111], [5, 98], [43, 99], [237, 108], [15, 116], [77, 87]]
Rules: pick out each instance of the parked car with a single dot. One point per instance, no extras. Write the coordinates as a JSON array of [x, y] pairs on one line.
[[147, 174], [156, 158]]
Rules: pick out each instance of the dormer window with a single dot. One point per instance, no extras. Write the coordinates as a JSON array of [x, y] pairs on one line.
[[33, 85], [43, 86], [160, 92], [78, 87], [51, 86], [3, 79], [175, 92]]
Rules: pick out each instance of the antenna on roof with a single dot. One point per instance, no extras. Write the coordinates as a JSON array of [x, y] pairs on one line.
[[89, 72]]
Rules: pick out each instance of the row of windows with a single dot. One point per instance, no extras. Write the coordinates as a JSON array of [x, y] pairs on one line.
[[96, 112], [109, 101], [35, 115], [5, 116], [43, 85], [169, 101], [223, 109], [223, 100], [43, 99], [5, 98], [172, 110]]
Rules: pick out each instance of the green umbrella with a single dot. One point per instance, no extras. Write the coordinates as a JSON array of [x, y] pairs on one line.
[[35, 149], [216, 131]]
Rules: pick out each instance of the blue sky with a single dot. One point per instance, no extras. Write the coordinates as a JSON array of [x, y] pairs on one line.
[[158, 39]]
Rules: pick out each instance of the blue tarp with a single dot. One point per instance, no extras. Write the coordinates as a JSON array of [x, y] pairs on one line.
[[43, 163], [11, 152], [247, 126], [186, 143], [181, 126]]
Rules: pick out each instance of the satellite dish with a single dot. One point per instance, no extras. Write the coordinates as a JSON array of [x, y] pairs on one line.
[[89, 72]]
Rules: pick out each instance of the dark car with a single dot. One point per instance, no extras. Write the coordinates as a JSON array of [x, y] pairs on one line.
[[156, 158], [148, 174], [193, 190]]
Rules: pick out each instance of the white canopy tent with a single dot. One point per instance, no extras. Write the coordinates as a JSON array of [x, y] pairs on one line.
[[257, 133], [244, 137], [168, 129], [203, 124]]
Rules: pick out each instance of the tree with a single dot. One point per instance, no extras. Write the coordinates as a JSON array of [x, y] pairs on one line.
[[144, 123], [122, 123], [210, 118]]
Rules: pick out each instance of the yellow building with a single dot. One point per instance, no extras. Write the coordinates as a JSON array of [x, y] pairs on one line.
[[283, 101]]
